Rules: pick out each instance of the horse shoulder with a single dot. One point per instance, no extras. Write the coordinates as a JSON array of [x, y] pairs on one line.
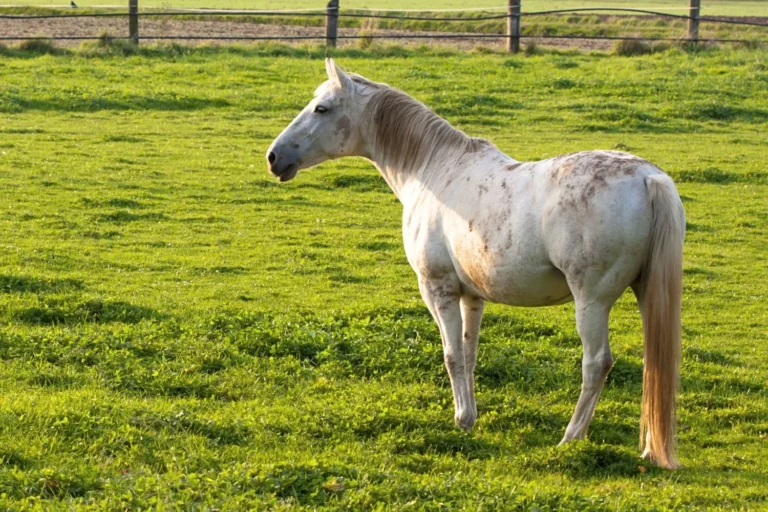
[[423, 239]]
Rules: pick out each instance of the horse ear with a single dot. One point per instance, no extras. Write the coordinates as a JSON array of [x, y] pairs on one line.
[[338, 76], [330, 68]]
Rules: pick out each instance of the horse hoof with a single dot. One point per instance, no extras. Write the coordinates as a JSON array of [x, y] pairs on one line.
[[571, 436], [465, 421]]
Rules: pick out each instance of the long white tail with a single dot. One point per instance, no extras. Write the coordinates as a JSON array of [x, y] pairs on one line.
[[660, 294]]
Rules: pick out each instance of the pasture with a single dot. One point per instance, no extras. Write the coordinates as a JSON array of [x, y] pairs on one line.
[[178, 330]]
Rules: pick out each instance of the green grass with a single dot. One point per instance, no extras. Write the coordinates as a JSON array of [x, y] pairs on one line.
[[178, 330], [709, 7]]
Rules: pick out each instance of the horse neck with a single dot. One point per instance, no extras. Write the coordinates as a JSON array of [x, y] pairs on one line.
[[415, 158], [399, 181]]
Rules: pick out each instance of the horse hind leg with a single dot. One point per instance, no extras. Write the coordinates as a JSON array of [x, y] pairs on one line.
[[597, 361]]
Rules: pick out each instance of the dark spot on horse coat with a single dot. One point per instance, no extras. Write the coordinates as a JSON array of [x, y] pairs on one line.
[[512, 167], [503, 184], [451, 363], [508, 242], [582, 175], [344, 127], [470, 225], [445, 296], [597, 166], [587, 193]]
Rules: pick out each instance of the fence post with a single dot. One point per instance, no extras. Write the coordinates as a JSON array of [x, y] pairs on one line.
[[693, 21], [513, 26], [133, 20], [331, 23]]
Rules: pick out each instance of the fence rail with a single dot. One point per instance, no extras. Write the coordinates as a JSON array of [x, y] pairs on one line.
[[333, 12]]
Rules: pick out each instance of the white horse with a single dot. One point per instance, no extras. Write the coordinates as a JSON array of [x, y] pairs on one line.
[[480, 226]]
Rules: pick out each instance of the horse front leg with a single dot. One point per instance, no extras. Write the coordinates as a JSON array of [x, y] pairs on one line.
[[471, 315], [442, 296]]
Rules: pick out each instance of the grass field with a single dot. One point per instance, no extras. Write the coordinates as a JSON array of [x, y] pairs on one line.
[[177, 330], [708, 7]]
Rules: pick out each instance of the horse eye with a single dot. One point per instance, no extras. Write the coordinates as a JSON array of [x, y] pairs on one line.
[[320, 109]]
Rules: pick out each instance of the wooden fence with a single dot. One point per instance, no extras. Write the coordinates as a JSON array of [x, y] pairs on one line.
[[333, 12]]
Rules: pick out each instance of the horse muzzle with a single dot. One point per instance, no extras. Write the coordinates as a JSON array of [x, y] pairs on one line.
[[282, 165]]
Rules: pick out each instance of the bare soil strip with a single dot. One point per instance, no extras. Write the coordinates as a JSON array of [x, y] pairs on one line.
[[149, 27]]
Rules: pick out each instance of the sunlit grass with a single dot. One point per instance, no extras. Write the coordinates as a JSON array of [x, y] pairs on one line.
[[177, 329]]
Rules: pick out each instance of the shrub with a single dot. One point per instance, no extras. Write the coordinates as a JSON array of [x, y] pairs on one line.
[[531, 48], [105, 38], [41, 46], [365, 40], [365, 35], [632, 47]]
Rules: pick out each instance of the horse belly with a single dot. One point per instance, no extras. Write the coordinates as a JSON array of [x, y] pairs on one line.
[[513, 281]]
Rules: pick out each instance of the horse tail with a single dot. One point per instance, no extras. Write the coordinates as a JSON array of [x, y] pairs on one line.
[[660, 304]]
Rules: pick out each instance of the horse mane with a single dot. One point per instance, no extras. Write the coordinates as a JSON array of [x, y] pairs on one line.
[[407, 134]]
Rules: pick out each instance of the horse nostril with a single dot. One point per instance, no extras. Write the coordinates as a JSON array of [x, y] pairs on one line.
[[271, 157]]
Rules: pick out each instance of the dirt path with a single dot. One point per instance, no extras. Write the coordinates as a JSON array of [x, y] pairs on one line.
[[93, 27]]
